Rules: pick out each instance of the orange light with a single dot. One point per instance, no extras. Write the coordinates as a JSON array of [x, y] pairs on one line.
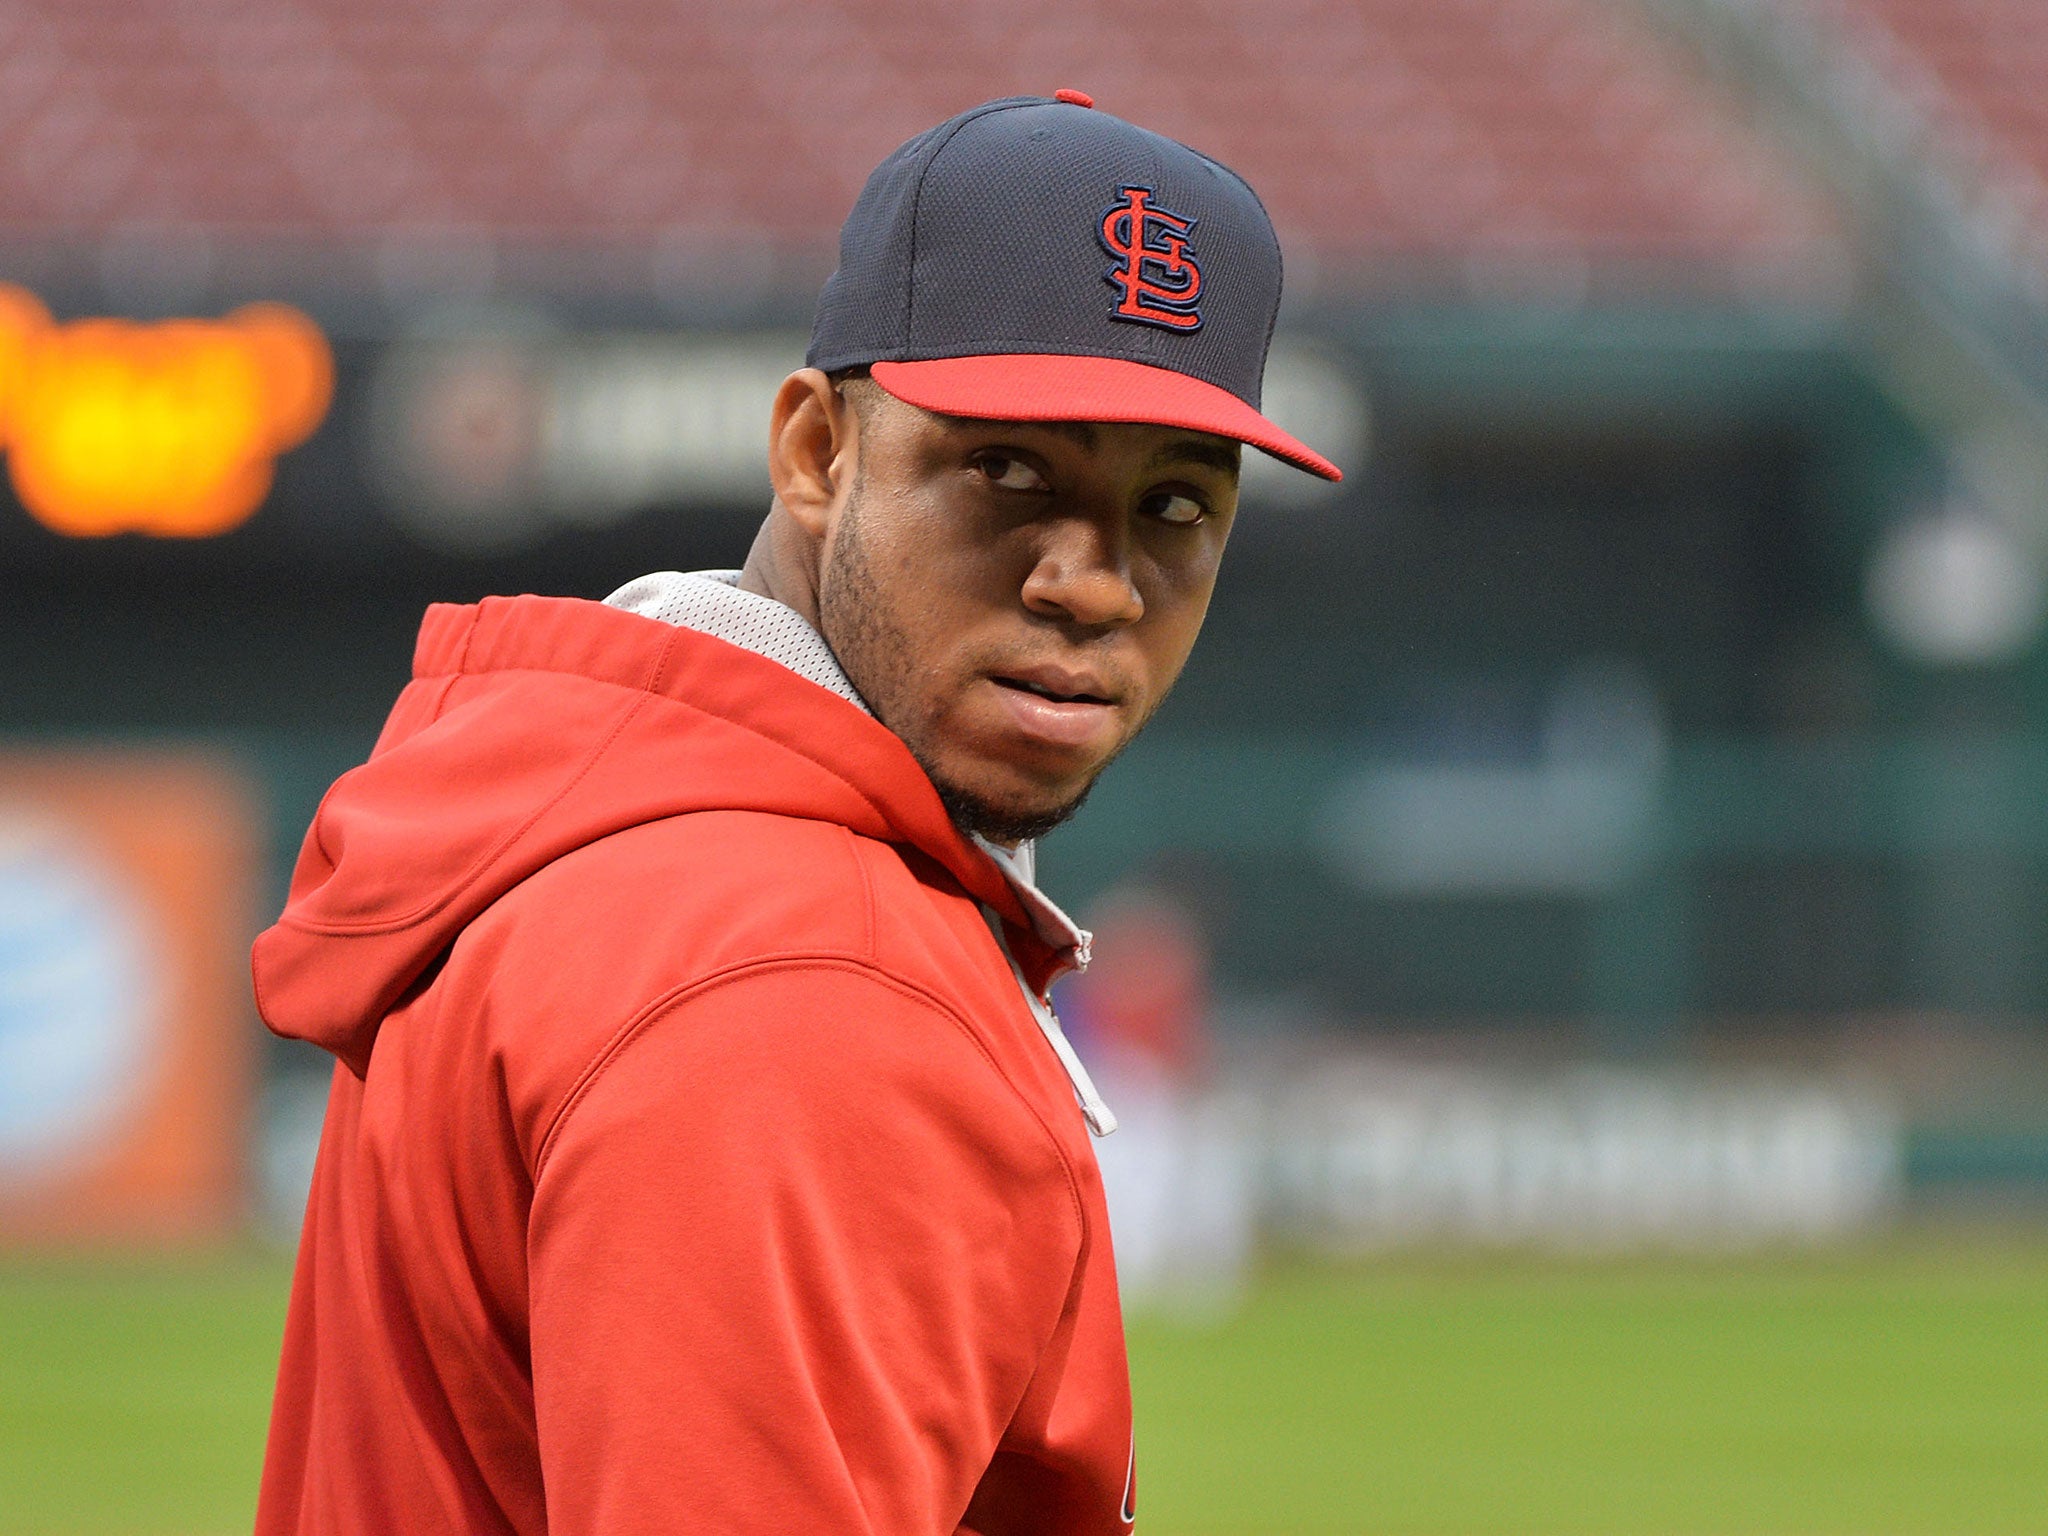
[[170, 428]]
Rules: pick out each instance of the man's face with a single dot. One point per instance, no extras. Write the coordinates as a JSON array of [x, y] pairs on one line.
[[1014, 599]]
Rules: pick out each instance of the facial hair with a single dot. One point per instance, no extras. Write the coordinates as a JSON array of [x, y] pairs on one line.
[[876, 653]]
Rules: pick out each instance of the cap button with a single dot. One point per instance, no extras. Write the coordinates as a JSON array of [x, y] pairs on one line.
[[1074, 98]]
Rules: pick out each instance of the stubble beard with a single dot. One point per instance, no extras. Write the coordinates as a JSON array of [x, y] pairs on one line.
[[877, 656]]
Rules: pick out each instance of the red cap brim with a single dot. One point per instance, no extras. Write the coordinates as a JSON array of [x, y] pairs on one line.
[[1034, 386]]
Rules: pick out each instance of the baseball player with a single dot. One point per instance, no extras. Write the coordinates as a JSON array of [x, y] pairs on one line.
[[702, 1153]]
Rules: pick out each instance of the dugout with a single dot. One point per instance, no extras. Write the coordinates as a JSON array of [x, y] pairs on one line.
[[1571, 705]]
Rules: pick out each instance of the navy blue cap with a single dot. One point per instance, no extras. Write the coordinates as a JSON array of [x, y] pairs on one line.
[[1033, 259]]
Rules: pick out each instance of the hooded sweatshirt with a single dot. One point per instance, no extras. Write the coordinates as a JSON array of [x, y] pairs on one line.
[[701, 1153]]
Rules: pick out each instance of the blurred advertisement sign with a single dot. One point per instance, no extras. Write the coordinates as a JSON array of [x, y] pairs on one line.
[[1366, 1155], [125, 1052], [1544, 829], [492, 434], [1581, 816], [170, 428]]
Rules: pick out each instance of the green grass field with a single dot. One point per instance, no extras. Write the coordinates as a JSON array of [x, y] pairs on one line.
[[1899, 1390]]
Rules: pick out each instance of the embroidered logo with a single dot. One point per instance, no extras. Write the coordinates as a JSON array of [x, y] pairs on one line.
[[1156, 271]]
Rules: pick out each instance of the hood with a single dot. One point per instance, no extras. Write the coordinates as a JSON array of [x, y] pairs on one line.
[[534, 726]]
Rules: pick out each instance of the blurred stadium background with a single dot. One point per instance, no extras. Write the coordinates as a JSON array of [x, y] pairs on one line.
[[1591, 1048]]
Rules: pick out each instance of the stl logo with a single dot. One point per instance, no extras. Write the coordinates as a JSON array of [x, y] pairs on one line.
[[1157, 273], [170, 428]]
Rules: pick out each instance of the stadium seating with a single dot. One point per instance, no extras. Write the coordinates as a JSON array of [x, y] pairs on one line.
[[1389, 137]]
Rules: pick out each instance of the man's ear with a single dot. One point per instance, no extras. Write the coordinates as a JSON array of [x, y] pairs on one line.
[[813, 448]]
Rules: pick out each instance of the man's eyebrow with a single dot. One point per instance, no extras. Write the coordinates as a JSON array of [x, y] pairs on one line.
[[1227, 457], [1080, 433]]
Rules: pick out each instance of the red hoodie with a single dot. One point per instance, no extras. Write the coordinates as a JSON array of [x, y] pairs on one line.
[[694, 1162]]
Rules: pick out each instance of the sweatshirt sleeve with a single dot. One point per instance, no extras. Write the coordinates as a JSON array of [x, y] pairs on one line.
[[796, 1248]]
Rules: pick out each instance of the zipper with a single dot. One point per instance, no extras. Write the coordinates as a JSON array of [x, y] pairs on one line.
[[1100, 1121]]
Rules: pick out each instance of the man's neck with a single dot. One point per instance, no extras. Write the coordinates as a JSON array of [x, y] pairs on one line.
[[783, 565]]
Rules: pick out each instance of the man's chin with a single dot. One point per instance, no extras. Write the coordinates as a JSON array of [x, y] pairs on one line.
[[1004, 821]]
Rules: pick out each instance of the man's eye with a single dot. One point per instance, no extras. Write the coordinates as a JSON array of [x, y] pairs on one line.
[[1010, 474], [1172, 507]]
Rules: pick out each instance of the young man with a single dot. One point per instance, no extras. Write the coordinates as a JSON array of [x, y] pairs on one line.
[[703, 1154]]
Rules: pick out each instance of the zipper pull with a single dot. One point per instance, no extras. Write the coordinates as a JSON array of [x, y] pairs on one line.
[[1097, 1113]]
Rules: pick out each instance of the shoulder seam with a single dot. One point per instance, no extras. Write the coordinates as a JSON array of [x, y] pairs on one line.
[[653, 1011]]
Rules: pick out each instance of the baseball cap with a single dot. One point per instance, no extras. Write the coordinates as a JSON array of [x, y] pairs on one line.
[[1033, 259]]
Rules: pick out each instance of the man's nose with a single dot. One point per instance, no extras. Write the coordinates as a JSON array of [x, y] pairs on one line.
[[1083, 573]]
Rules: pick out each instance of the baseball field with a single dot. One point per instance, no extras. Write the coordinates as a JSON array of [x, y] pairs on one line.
[[1901, 1388]]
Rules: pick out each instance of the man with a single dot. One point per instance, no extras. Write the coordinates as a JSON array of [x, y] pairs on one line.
[[703, 1154]]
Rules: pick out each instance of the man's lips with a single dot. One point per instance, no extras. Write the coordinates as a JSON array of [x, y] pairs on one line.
[[1061, 689], [1050, 680], [1058, 706]]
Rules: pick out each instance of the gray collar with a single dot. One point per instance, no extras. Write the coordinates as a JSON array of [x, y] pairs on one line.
[[712, 603]]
